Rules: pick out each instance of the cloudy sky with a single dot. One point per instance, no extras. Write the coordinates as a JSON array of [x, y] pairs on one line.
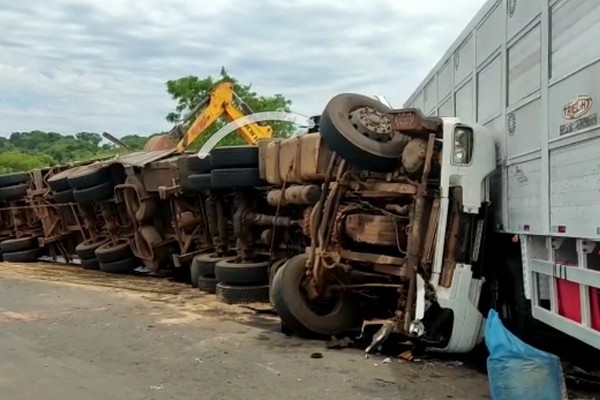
[[101, 65]]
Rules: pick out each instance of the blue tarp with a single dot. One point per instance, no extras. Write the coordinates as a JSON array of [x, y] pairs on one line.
[[517, 371]]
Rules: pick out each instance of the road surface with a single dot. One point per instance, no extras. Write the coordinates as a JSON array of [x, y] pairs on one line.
[[66, 333]]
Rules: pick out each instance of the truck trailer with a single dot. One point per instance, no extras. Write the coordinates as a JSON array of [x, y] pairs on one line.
[[529, 71]]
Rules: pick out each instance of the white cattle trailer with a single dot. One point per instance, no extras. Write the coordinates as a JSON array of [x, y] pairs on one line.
[[530, 71]]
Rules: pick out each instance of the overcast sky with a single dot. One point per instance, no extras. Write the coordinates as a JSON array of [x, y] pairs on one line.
[[101, 65]]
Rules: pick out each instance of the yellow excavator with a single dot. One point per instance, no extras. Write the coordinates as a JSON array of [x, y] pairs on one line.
[[220, 101]]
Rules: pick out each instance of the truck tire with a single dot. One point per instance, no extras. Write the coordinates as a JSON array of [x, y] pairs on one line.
[[20, 244], [59, 182], [231, 178], [245, 156], [228, 271], [237, 294], [101, 192], [206, 262], [197, 165], [272, 271], [109, 251], [13, 192], [124, 266], [13, 179], [207, 284], [29, 255], [294, 309], [86, 249], [90, 264], [199, 182], [520, 320], [358, 149], [90, 176], [63, 197]]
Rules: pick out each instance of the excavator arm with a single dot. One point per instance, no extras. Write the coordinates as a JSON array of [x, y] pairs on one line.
[[219, 103]]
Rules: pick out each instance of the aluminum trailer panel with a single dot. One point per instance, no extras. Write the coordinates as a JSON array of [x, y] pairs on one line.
[[530, 71]]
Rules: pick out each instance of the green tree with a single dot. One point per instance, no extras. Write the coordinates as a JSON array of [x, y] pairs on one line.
[[189, 90]]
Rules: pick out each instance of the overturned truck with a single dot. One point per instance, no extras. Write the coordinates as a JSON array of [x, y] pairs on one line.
[[379, 217]]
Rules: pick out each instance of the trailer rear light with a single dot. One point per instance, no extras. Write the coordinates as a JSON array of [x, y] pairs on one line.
[[562, 229], [462, 146], [526, 228]]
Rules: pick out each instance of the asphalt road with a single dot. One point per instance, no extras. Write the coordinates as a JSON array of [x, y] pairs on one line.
[[72, 334]]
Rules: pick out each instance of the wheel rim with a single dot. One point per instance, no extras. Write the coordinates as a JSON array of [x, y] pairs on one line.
[[372, 124]]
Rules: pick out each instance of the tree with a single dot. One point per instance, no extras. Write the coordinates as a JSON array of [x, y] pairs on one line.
[[189, 90]]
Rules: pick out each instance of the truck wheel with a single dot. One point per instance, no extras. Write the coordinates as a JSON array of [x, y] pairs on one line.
[[298, 314], [63, 197], [203, 264], [86, 249], [231, 178], [13, 179], [29, 255], [228, 271], [101, 192], [90, 264], [238, 294], [207, 284], [518, 307], [272, 271], [13, 192], [378, 153], [109, 251], [245, 156], [120, 266], [24, 243], [199, 182], [197, 165], [89, 176]]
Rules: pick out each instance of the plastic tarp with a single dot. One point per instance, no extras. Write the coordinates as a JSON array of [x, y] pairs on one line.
[[517, 370]]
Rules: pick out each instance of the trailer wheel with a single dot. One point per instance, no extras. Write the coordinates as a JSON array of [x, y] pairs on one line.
[[203, 264], [90, 264], [231, 178], [109, 251], [13, 192], [13, 179], [101, 192], [238, 294], [229, 271], [120, 266], [29, 255], [380, 153], [295, 310], [89, 176], [86, 249], [24, 243], [199, 182], [197, 165], [63, 197], [59, 182], [207, 284], [244, 156]]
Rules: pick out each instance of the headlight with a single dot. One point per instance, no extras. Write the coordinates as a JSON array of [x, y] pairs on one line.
[[462, 148]]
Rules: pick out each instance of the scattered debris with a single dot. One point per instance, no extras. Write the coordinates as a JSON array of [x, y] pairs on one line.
[[407, 356], [316, 355], [335, 343], [156, 387], [387, 361]]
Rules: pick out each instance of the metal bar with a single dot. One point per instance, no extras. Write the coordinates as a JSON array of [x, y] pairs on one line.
[[572, 274], [587, 335]]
